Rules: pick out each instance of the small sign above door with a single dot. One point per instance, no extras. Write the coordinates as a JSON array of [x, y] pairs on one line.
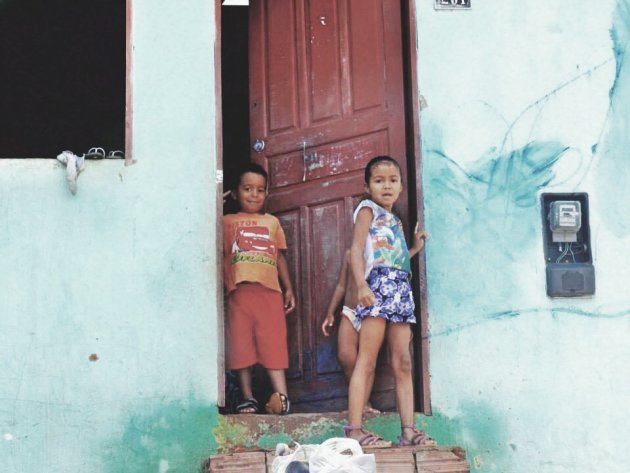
[[452, 4]]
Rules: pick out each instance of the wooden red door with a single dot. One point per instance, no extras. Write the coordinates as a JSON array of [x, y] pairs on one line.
[[326, 95]]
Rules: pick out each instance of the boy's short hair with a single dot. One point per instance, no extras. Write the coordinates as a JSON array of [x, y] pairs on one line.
[[379, 160], [249, 167]]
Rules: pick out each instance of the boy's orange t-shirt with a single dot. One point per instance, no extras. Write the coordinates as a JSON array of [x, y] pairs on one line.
[[250, 249]]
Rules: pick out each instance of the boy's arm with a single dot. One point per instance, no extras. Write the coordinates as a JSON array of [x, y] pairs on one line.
[[283, 273], [419, 237], [365, 297], [337, 297]]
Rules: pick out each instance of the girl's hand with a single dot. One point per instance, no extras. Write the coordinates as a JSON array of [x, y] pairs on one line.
[[329, 321], [289, 301], [419, 237], [365, 296]]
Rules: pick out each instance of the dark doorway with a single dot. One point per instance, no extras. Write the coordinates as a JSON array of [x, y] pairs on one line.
[[235, 92]]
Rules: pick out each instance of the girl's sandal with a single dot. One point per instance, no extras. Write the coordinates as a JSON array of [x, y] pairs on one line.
[[419, 438], [368, 439], [248, 406]]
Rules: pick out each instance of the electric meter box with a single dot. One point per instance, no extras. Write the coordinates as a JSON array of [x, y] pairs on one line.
[[565, 219], [567, 245]]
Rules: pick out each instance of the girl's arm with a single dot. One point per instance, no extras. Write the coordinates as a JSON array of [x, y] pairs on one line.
[[337, 297], [419, 237], [365, 297], [283, 273]]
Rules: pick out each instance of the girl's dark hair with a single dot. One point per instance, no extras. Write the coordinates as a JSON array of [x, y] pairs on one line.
[[249, 167], [379, 160]]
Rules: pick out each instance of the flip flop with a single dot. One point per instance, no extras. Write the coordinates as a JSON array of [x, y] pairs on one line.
[[95, 153], [117, 154]]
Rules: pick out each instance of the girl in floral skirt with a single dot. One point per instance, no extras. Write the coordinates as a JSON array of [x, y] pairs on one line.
[[381, 269]]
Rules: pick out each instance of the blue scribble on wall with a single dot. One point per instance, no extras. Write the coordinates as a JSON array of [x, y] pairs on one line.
[[498, 194], [487, 217], [470, 321], [613, 173]]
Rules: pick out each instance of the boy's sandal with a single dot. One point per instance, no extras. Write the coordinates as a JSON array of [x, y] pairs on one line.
[[278, 404], [419, 438], [248, 406], [368, 439]]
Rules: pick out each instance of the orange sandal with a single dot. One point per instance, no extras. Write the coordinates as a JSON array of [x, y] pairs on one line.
[[278, 404]]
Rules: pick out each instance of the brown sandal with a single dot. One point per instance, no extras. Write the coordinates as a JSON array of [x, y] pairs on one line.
[[368, 439], [419, 438]]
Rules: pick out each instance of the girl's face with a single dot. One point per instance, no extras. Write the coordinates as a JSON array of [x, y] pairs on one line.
[[251, 193], [385, 184]]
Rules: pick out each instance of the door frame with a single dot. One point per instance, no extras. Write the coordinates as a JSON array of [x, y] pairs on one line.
[[414, 164]]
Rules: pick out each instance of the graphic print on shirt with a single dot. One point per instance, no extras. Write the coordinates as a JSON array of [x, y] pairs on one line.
[[387, 242], [253, 245]]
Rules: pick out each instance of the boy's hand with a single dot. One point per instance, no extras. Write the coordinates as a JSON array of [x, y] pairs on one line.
[[329, 321], [289, 301], [419, 237], [365, 296]]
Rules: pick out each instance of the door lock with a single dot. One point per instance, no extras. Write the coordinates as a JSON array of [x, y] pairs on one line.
[[259, 145]]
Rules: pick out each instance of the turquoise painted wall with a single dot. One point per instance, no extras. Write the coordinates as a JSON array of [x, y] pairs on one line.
[[525, 98], [123, 270]]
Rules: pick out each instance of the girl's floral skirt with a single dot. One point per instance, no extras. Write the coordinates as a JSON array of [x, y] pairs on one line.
[[394, 300]]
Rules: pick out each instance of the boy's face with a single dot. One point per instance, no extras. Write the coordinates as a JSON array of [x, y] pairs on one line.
[[251, 193]]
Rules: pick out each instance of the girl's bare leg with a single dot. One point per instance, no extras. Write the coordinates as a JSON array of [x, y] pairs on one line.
[[398, 338], [370, 340], [347, 352]]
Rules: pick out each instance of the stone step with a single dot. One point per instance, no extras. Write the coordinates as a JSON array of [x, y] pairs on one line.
[[247, 443]]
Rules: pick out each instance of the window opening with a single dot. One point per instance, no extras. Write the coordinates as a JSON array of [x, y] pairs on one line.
[[63, 76]]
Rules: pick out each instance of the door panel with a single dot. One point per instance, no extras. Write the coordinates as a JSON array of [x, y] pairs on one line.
[[326, 95]]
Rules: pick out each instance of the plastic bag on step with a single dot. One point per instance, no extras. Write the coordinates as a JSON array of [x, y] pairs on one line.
[[302, 453], [341, 455]]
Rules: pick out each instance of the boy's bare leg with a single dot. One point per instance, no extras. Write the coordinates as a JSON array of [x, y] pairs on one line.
[[347, 346], [347, 351], [278, 380], [245, 380]]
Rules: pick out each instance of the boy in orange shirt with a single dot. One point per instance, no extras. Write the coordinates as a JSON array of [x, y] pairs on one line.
[[254, 270]]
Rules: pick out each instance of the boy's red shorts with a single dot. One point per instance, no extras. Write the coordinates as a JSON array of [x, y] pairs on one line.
[[256, 328]]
